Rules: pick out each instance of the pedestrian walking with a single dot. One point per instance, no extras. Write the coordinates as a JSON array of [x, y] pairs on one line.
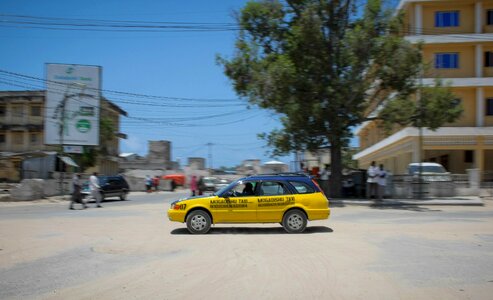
[[148, 182], [324, 179], [201, 185], [155, 183], [95, 188], [382, 181], [193, 185], [372, 184], [76, 193]]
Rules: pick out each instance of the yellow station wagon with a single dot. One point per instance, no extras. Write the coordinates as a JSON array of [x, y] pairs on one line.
[[288, 199]]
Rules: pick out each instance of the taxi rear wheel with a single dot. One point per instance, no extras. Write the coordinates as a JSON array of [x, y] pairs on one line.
[[294, 221], [198, 222]]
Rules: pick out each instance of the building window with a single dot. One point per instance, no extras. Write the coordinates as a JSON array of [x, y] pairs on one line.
[[446, 60], [489, 107], [17, 111], [17, 138], [446, 18], [456, 102], [489, 17], [488, 59], [36, 111], [34, 138], [3, 110], [2, 138], [468, 156]]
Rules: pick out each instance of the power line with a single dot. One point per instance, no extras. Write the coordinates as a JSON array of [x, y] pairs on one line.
[[169, 98], [51, 23]]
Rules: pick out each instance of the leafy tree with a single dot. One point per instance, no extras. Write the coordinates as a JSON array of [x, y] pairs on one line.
[[322, 67]]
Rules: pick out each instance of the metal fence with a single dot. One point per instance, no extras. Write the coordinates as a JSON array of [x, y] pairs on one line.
[[487, 180]]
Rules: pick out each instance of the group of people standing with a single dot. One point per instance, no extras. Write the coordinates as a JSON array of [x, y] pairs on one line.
[[152, 183], [376, 182]]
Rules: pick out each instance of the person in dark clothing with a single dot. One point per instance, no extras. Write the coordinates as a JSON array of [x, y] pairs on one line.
[[248, 190], [76, 194]]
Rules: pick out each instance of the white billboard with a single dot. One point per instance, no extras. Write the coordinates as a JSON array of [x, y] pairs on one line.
[[73, 93]]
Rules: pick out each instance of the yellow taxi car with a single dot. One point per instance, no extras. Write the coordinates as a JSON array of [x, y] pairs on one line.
[[288, 199]]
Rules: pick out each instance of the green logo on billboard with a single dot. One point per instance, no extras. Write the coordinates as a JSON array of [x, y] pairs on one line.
[[83, 126]]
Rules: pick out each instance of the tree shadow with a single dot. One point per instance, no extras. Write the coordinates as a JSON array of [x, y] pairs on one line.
[[255, 230]]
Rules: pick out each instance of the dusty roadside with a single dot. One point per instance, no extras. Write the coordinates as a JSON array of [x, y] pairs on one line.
[[133, 251]]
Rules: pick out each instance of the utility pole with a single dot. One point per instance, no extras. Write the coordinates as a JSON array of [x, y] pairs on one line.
[[61, 109], [420, 134], [210, 156], [63, 103]]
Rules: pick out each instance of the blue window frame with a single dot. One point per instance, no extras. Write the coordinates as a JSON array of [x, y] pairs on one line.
[[446, 60], [446, 18]]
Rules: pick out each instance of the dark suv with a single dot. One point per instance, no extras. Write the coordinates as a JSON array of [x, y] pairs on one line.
[[111, 186]]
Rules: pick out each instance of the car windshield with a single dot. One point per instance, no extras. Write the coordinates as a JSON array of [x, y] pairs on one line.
[[226, 188], [426, 169]]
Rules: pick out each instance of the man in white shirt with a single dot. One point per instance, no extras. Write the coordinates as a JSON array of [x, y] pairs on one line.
[[372, 184], [94, 188], [382, 181], [324, 179]]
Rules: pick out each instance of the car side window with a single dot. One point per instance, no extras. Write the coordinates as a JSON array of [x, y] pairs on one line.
[[272, 188], [301, 187], [244, 189]]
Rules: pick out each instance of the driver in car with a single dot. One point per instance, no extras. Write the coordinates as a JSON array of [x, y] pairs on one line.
[[248, 190]]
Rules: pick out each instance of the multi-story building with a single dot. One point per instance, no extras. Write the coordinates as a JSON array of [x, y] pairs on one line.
[[22, 132], [457, 39]]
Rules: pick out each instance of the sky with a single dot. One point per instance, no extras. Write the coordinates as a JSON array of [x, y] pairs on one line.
[[180, 93], [165, 64]]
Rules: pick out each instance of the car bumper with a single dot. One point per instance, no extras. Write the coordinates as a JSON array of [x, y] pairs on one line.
[[318, 214], [176, 215]]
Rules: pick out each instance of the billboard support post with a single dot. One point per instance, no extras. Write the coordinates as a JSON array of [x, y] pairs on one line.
[[61, 130]]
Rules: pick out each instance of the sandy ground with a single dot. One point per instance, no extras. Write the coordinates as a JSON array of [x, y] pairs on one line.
[[134, 252]]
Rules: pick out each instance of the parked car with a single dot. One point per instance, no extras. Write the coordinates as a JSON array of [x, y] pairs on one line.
[[221, 183], [209, 184], [288, 199], [429, 171], [111, 186]]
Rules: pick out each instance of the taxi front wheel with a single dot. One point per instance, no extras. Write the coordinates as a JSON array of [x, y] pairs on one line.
[[294, 221], [198, 222]]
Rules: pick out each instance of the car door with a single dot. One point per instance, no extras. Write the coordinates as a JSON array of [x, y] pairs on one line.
[[273, 199], [235, 206]]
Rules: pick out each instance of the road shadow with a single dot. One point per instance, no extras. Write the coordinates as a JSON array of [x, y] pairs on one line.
[[254, 230], [408, 207], [110, 200]]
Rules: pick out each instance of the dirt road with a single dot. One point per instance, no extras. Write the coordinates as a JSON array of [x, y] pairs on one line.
[[133, 252]]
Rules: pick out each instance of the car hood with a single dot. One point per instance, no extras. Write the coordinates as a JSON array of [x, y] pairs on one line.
[[194, 198]]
